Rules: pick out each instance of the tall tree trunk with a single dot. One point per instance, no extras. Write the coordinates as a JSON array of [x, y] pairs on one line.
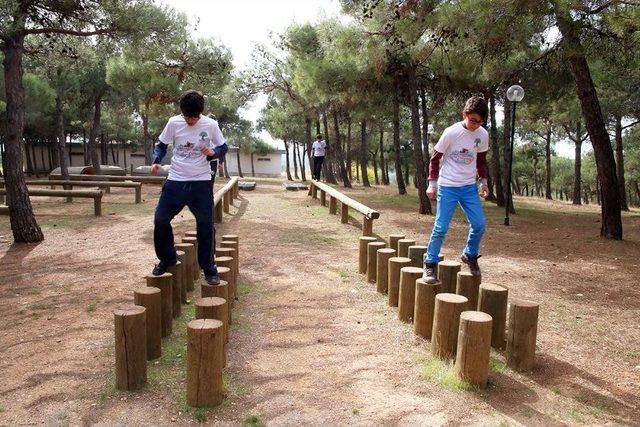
[[577, 172], [363, 154], [148, 143], [327, 165], [396, 143], [64, 166], [124, 153], [506, 143], [239, 166], [301, 157], [340, 155], [349, 169], [70, 150], [547, 158], [425, 128], [85, 153], [498, 180], [307, 136], [611, 223], [374, 158], [620, 164], [421, 180], [286, 149], [113, 153], [95, 131], [253, 169], [35, 160], [30, 168], [23, 222], [295, 160], [385, 178]]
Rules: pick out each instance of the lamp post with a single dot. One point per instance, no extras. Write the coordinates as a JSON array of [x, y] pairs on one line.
[[514, 94]]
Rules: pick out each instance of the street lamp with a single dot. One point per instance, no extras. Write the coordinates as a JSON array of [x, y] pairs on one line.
[[514, 94]]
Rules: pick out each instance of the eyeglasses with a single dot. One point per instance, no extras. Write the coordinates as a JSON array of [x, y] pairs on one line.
[[190, 119], [476, 121]]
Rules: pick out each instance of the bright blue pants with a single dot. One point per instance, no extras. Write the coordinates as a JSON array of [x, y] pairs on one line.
[[448, 198]]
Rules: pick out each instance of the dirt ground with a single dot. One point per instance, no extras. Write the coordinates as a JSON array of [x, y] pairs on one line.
[[312, 342]]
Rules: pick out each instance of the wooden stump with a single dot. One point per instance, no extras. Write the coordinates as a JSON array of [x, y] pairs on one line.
[[474, 345], [183, 285], [362, 253], [164, 282], [416, 253], [492, 300], [521, 340], [176, 271], [403, 247], [235, 254], [191, 233], [444, 335], [393, 240], [393, 282], [215, 308], [448, 275], [333, 205], [150, 299], [189, 256], [314, 191], [407, 293], [382, 266], [323, 198], [131, 347], [217, 291], [196, 266], [367, 226], [204, 363], [344, 213], [424, 307], [226, 274], [217, 213], [226, 197], [230, 237], [468, 286], [440, 258], [227, 261], [372, 258]]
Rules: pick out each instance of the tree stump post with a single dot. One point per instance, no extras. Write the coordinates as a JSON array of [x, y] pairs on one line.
[[333, 205], [189, 255], [226, 275], [231, 238], [230, 244], [448, 275], [215, 308], [227, 261], [403, 247], [424, 307], [416, 253], [372, 258], [523, 330], [314, 191], [393, 282], [474, 345], [344, 213], [468, 286], [367, 226], [444, 335], [492, 300], [382, 266], [225, 202], [407, 293], [183, 284], [176, 291], [323, 198], [393, 240], [131, 347], [164, 282], [217, 213], [150, 299], [204, 363], [196, 266], [215, 291], [362, 253]]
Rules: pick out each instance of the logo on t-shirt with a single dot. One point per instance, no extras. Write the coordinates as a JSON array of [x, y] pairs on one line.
[[463, 156], [477, 142]]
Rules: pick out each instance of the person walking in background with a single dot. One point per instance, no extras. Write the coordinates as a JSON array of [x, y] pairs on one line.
[[318, 151]]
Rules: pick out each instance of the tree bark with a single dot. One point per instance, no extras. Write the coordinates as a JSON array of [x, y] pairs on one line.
[[396, 143], [239, 167], [95, 130], [374, 158], [547, 156], [349, 162], [286, 149], [385, 178], [620, 165], [425, 128], [363, 153], [577, 172], [327, 165], [61, 138], [340, 154], [421, 180], [495, 153], [506, 143], [307, 135], [253, 169], [295, 160], [301, 157]]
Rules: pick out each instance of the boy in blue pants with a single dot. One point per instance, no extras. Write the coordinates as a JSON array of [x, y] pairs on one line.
[[463, 150], [196, 140]]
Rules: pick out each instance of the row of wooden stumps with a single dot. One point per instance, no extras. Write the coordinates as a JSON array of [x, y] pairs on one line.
[[139, 328], [461, 316]]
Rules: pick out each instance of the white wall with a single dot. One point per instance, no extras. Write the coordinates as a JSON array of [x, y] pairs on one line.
[[267, 165]]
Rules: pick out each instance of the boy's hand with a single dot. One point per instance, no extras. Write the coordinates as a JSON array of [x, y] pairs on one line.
[[431, 193], [206, 150], [484, 191], [154, 169]]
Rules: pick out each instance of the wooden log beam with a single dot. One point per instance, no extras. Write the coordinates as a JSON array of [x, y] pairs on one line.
[[176, 270], [189, 255], [183, 284], [416, 253], [393, 240], [403, 247]]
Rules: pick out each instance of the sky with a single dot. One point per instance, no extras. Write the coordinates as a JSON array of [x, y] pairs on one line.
[[241, 24]]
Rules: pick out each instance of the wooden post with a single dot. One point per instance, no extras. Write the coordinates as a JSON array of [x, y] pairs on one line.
[[219, 291], [97, 205], [492, 300], [314, 191], [362, 253], [164, 282], [139, 194], [227, 261], [220, 251], [323, 198], [230, 238], [424, 307], [215, 308], [367, 226], [521, 340], [218, 213], [416, 253], [444, 335], [372, 257], [344, 213], [131, 347], [183, 286], [468, 285], [407, 292], [474, 339], [189, 254], [333, 205], [204, 363], [176, 271], [196, 266], [382, 264], [310, 190], [226, 274], [393, 282], [393, 240], [225, 202], [235, 254], [448, 275], [403, 247], [150, 299]]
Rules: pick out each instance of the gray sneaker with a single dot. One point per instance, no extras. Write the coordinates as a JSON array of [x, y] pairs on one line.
[[212, 279], [472, 262], [430, 272]]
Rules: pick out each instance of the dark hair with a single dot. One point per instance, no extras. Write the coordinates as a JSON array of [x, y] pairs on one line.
[[476, 105], [319, 136], [192, 103]]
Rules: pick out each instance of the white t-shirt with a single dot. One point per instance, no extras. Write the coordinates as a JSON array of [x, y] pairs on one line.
[[318, 148], [460, 148], [188, 163]]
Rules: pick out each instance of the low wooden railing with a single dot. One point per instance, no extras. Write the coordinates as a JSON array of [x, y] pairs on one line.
[[96, 195], [224, 197], [143, 179]]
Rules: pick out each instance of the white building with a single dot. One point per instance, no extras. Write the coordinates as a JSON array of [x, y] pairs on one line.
[[268, 165]]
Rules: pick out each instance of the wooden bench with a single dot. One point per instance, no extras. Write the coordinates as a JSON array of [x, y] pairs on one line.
[[143, 179], [96, 195], [368, 214], [68, 185]]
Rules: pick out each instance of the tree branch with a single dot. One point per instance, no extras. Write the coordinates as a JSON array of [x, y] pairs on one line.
[[68, 32]]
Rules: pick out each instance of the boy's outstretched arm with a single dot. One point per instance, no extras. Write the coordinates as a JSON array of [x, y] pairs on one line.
[[483, 172]]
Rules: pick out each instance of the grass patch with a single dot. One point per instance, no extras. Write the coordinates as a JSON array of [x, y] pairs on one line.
[[577, 416], [253, 420], [355, 412], [318, 210], [75, 223], [496, 365], [441, 372], [307, 237], [91, 307]]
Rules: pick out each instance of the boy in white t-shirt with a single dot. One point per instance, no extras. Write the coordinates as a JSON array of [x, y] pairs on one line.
[[196, 140], [318, 151], [463, 149]]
